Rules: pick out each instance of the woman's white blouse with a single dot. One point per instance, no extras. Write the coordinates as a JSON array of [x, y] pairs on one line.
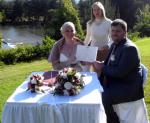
[[98, 33]]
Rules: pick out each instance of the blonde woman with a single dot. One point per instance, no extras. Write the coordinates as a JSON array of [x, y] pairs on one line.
[[98, 30], [63, 52]]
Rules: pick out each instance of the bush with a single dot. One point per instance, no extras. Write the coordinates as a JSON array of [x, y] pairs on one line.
[[143, 21], [8, 56], [27, 53], [133, 36]]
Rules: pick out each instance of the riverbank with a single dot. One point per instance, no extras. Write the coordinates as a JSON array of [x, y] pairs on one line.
[[26, 34]]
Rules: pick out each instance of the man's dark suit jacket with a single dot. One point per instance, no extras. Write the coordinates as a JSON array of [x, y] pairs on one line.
[[123, 74]]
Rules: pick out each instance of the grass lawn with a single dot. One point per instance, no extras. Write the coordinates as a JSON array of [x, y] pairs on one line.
[[12, 76], [144, 48]]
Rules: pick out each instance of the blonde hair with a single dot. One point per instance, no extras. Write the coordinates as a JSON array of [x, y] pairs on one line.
[[100, 5], [66, 25]]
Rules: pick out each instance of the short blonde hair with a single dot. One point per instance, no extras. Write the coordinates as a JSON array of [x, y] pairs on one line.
[[66, 25]]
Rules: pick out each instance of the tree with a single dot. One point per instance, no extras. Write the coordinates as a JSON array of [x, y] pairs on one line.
[[65, 12], [17, 11], [71, 14], [143, 21], [1, 16], [128, 9], [85, 10]]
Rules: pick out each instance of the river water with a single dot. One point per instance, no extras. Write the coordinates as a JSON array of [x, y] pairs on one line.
[[22, 34]]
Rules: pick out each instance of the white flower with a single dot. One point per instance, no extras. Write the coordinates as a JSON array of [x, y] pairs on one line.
[[33, 81], [68, 85], [64, 75], [41, 78], [78, 74]]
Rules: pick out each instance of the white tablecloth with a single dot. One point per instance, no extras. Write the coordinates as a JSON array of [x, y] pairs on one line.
[[26, 107]]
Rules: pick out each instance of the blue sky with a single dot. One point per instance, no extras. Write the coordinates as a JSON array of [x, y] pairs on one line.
[[77, 1]]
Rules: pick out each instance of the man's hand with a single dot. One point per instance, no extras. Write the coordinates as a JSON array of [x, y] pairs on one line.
[[98, 66]]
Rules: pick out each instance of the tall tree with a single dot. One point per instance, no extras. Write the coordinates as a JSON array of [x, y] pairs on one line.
[[65, 12], [85, 10], [17, 11], [128, 9], [71, 14], [143, 21]]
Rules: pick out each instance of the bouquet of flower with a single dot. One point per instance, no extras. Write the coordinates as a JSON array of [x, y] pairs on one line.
[[35, 82], [68, 82]]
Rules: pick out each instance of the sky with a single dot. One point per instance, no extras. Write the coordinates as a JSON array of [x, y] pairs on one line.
[[77, 1]]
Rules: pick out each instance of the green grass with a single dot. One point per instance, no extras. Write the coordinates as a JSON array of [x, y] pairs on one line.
[[144, 48], [12, 76]]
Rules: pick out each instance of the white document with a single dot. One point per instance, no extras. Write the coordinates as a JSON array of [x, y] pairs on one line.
[[86, 53]]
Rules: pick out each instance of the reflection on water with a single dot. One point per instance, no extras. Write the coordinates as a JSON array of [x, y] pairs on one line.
[[24, 34]]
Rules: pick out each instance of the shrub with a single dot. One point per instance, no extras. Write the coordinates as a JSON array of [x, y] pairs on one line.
[[133, 36], [8, 56], [27, 53], [143, 21]]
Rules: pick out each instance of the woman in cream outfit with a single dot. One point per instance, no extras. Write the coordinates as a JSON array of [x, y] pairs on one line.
[[98, 30], [63, 52]]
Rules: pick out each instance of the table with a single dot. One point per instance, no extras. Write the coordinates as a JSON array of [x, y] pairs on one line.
[[26, 107]]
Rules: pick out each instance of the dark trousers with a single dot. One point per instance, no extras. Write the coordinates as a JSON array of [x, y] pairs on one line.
[[111, 115]]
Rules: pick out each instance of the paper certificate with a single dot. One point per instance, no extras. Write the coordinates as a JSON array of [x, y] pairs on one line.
[[86, 53]]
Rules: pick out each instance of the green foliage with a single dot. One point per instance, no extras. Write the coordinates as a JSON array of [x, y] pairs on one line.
[[48, 41], [128, 8], [134, 36], [143, 21], [0, 41], [144, 48], [71, 14], [49, 13], [65, 12], [26, 11], [1, 16], [8, 56], [12, 76], [85, 10], [27, 53]]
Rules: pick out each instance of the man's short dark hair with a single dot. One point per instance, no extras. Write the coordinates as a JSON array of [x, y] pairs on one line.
[[121, 23]]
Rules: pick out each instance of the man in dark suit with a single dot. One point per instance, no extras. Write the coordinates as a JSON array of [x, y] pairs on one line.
[[121, 73]]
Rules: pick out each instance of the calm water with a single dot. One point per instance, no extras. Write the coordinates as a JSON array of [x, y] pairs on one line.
[[22, 34]]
